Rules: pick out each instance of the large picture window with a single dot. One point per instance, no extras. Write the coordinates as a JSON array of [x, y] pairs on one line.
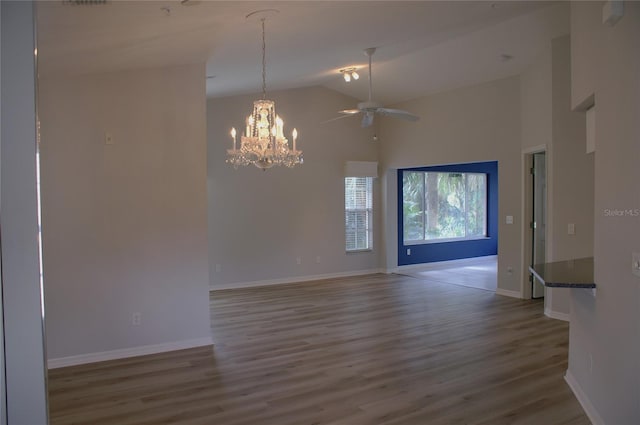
[[443, 206], [358, 205]]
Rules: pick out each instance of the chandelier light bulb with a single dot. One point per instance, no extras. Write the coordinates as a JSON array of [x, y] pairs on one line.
[[346, 76], [294, 135], [355, 75], [233, 135]]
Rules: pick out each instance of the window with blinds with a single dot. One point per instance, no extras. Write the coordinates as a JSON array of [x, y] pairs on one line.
[[358, 205]]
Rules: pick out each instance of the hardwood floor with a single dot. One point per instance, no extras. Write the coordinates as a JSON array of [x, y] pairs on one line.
[[479, 272], [378, 349]]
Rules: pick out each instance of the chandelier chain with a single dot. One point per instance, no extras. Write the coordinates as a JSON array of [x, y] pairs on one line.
[[264, 63]]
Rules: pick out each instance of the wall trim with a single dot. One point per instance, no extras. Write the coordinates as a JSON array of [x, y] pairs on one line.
[[556, 315], [296, 279], [584, 401], [443, 264], [509, 293], [127, 352]]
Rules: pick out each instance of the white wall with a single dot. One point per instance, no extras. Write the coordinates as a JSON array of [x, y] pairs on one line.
[[573, 175], [604, 345], [535, 94], [573, 167], [261, 221], [547, 120], [124, 225], [22, 314], [536, 136], [479, 123], [585, 22]]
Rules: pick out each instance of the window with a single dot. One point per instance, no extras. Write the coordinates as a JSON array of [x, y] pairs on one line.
[[439, 207], [358, 206]]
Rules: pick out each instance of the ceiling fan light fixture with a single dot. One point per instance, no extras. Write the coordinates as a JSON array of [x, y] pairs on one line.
[[349, 73], [370, 108]]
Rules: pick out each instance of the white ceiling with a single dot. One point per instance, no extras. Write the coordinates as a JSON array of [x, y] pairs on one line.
[[424, 46]]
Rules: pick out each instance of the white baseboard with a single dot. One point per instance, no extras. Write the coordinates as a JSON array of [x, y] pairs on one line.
[[508, 293], [127, 352], [556, 315], [589, 409], [296, 279], [461, 262]]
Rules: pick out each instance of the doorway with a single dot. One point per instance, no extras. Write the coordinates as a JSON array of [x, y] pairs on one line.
[[538, 218]]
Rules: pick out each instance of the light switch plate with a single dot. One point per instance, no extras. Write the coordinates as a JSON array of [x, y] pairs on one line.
[[635, 263], [509, 219]]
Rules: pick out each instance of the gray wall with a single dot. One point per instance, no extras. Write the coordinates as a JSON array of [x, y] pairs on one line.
[[3, 377], [479, 123], [572, 175], [124, 225], [604, 345], [23, 321], [547, 119], [261, 221], [536, 136]]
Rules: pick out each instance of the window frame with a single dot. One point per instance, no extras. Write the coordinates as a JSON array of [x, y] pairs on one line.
[[368, 213], [423, 197]]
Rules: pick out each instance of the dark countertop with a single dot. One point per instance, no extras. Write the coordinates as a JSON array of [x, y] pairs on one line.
[[576, 273]]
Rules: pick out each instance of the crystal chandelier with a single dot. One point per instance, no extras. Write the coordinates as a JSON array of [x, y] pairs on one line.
[[264, 144]]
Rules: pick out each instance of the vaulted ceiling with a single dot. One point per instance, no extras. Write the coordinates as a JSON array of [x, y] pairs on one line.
[[423, 46]]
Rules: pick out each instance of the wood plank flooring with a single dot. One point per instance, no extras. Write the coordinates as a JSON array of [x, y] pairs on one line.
[[378, 349]]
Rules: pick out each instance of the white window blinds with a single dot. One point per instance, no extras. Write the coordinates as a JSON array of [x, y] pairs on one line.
[[358, 202]]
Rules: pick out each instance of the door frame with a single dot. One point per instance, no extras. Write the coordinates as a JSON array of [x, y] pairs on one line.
[[527, 213]]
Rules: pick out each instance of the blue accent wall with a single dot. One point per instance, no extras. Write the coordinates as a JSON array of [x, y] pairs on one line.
[[443, 251]]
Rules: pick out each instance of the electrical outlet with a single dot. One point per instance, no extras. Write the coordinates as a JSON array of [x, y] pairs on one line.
[[571, 229], [299, 260], [136, 318], [509, 219], [218, 268], [408, 251], [318, 259]]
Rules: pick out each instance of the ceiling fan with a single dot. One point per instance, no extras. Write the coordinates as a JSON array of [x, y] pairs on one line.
[[371, 107]]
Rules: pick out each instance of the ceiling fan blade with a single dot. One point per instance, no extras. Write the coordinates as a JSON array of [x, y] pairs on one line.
[[337, 118], [349, 111], [398, 113], [367, 120]]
